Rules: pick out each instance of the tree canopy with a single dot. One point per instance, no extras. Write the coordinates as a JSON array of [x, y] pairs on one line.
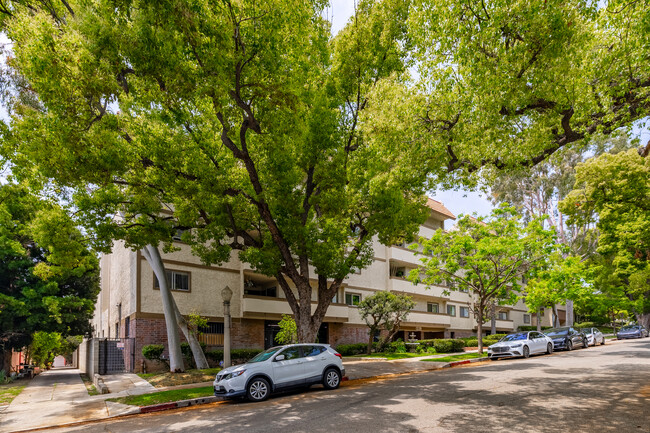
[[614, 190], [49, 279], [250, 125], [384, 311], [486, 258]]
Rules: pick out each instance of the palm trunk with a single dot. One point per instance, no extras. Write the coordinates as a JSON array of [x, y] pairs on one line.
[[152, 255], [569, 312], [493, 320], [539, 319], [479, 328]]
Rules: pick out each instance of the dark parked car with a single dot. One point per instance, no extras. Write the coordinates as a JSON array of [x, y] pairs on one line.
[[632, 331], [567, 338]]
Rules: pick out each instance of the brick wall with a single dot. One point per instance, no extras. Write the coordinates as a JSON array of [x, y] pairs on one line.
[[247, 334], [340, 333]]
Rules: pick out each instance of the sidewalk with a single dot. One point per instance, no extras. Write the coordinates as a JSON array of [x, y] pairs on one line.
[[58, 397]]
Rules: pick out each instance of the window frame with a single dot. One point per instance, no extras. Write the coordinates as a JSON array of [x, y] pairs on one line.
[[431, 304], [172, 282], [527, 319], [352, 295], [460, 312], [451, 310]]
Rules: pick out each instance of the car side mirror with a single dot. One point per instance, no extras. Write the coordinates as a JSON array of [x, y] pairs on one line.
[[279, 358]]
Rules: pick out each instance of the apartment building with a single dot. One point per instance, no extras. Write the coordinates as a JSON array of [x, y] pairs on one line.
[[130, 306]]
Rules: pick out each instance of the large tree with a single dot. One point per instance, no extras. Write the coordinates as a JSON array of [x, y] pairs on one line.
[[615, 191], [384, 311], [264, 135], [49, 280], [486, 258], [238, 118]]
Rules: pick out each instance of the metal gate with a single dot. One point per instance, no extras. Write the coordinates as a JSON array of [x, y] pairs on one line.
[[116, 355]]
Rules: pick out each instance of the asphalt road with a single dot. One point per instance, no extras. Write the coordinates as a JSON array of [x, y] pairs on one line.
[[599, 389]]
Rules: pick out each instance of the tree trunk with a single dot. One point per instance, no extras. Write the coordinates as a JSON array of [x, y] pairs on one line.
[[371, 337], [556, 318], [569, 312], [614, 322], [479, 328], [539, 319], [643, 320], [493, 330], [152, 255], [197, 352]]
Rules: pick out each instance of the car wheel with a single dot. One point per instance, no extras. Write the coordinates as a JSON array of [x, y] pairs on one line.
[[569, 345], [549, 348], [258, 389], [526, 352], [603, 342], [331, 378], [585, 344]]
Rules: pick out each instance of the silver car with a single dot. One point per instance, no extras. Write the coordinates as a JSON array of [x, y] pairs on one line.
[[280, 368], [520, 344], [594, 336]]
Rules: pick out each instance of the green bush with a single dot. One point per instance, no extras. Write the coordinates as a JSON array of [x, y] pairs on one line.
[[153, 351], [471, 342], [526, 328], [449, 345], [237, 356], [584, 325], [187, 350], [352, 349], [395, 347]]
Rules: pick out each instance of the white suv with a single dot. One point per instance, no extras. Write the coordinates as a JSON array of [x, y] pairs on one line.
[[281, 367]]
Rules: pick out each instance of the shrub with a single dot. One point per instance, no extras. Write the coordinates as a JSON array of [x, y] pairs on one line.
[[524, 328], [187, 350], [153, 351], [449, 345], [471, 342], [395, 347], [237, 356], [584, 325], [352, 349]]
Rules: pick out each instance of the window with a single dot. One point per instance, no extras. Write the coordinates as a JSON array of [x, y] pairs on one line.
[[451, 310], [127, 325], [291, 353], [211, 334], [251, 289], [312, 350], [179, 281], [335, 298], [503, 315], [526, 318], [433, 307], [178, 235], [464, 311], [352, 299]]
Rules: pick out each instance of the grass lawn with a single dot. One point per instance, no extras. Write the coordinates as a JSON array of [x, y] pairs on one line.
[[9, 391], [90, 386], [460, 357], [392, 355], [165, 396], [160, 380]]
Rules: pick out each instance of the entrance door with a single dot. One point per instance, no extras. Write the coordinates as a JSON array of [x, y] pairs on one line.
[[271, 329]]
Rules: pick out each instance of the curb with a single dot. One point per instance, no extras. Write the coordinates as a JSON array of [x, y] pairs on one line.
[[177, 404], [463, 362]]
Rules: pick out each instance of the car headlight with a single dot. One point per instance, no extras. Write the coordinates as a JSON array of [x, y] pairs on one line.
[[234, 374], [515, 345]]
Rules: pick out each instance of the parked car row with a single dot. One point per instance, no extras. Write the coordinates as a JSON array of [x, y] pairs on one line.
[[529, 343], [632, 331]]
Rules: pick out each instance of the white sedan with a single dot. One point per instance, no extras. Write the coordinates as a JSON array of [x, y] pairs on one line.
[[520, 344], [594, 336]]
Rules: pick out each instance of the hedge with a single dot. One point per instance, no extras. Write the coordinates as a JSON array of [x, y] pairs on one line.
[[525, 328], [236, 355], [352, 349], [153, 351]]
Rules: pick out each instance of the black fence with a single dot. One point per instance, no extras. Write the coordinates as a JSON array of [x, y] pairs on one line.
[[116, 355]]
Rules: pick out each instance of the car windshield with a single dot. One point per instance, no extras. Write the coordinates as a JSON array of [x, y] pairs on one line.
[[260, 357], [515, 337], [587, 330], [628, 328], [557, 332]]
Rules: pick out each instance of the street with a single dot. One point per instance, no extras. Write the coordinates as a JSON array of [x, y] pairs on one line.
[[599, 389]]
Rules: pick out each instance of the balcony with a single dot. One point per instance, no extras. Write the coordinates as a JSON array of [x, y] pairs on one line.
[[399, 284], [423, 318], [263, 307], [404, 255]]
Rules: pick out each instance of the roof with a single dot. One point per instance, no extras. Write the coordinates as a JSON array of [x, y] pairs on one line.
[[437, 206]]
